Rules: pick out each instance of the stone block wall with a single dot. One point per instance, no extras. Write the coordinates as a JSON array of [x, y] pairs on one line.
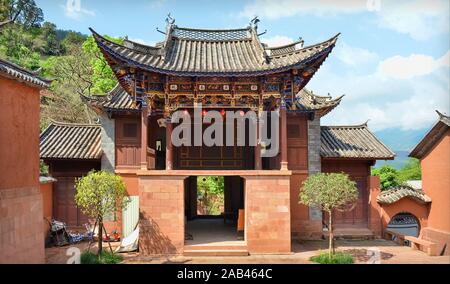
[[313, 228], [268, 224], [108, 143], [21, 226], [161, 215]]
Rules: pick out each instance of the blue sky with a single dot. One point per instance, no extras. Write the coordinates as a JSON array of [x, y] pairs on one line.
[[392, 60]]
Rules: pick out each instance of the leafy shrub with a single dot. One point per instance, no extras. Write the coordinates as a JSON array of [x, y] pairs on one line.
[[88, 257], [337, 258]]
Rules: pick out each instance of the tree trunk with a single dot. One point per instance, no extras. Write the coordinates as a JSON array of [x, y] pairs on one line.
[[330, 235], [100, 236]]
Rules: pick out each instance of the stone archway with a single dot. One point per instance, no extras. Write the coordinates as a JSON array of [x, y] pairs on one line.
[[405, 223]]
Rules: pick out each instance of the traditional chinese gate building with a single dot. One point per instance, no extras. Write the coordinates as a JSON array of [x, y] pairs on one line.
[[227, 70]]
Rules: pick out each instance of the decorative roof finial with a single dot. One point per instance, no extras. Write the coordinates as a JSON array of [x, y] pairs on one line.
[[170, 20], [254, 22]]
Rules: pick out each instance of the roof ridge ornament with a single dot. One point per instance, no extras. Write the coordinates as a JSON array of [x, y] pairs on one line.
[[169, 20], [254, 23]]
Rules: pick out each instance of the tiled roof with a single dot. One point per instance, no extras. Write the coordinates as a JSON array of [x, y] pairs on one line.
[[354, 141], [71, 141], [13, 71], [198, 52], [395, 194], [117, 99], [307, 101], [438, 130]]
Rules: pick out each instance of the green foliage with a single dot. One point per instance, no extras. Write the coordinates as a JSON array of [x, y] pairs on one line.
[[410, 171], [100, 193], [24, 12], [17, 46], [43, 168], [51, 45], [337, 258], [329, 191], [103, 78], [389, 176], [211, 194], [88, 257]]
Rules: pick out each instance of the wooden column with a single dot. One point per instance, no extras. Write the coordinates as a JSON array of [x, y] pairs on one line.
[[283, 138], [169, 148], [258, 161], [144, 137]]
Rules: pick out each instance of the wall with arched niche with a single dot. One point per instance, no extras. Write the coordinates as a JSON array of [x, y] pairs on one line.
[[405, 205]]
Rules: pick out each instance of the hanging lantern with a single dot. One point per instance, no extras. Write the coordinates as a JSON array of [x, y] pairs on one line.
[[222, 112], [204, 112], [241, 112]]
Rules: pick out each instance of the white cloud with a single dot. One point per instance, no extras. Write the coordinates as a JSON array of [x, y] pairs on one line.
[[287, 8], [142, 41], [277, 40], [354, 56], [74, 10], [420, 19], [400, 67], [405, 98]]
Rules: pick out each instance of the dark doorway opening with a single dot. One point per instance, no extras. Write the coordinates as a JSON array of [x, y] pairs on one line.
[[214, 207]]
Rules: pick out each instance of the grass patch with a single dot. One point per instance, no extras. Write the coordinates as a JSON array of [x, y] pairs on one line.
[[337, 258], [88, 257]]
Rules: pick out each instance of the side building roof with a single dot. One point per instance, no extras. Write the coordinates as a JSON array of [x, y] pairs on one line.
[[11, 70], [393, 195], [71, 141], [352, 141], [432, 137]]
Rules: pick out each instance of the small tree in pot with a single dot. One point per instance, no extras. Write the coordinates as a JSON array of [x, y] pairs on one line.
[[329, 191], [99, 194]]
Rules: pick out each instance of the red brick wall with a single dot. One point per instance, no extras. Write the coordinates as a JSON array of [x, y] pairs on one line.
[[374, 213], [21, 223], [268, 224], [436, 184], [161, 213], [301, 225], [47, 203]]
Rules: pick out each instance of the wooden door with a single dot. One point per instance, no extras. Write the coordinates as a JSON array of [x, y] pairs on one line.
[[64, 206], [357, 216]]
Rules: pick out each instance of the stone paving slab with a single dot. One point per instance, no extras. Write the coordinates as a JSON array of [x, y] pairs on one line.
[[389, 253]]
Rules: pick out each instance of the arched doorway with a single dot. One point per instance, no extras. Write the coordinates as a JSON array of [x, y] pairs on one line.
[[406, 224]]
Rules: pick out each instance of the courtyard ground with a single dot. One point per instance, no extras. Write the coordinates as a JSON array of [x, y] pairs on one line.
[[366, 251]]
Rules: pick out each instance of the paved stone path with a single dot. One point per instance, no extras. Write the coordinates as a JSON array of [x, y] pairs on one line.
[[363, 251]]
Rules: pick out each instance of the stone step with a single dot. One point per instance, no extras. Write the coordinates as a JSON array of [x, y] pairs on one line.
[[216, 247], [216, 252]]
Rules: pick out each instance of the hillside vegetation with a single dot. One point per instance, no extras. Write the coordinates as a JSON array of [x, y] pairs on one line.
[[72, 60]]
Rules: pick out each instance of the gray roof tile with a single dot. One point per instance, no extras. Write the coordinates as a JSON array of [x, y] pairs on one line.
[[395, 194], [16, 72], [354, 141], [71, 141]]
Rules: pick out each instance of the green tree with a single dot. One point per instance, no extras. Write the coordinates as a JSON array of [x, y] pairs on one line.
[[389, 176], [103, 78], [99, 194], [51, 44], [15, 45], [211, 193], [410, 171], [72, 76], [24, 12], [329, 192]]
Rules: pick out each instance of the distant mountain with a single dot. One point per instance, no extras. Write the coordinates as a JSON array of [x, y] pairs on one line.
[[401, 142]]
